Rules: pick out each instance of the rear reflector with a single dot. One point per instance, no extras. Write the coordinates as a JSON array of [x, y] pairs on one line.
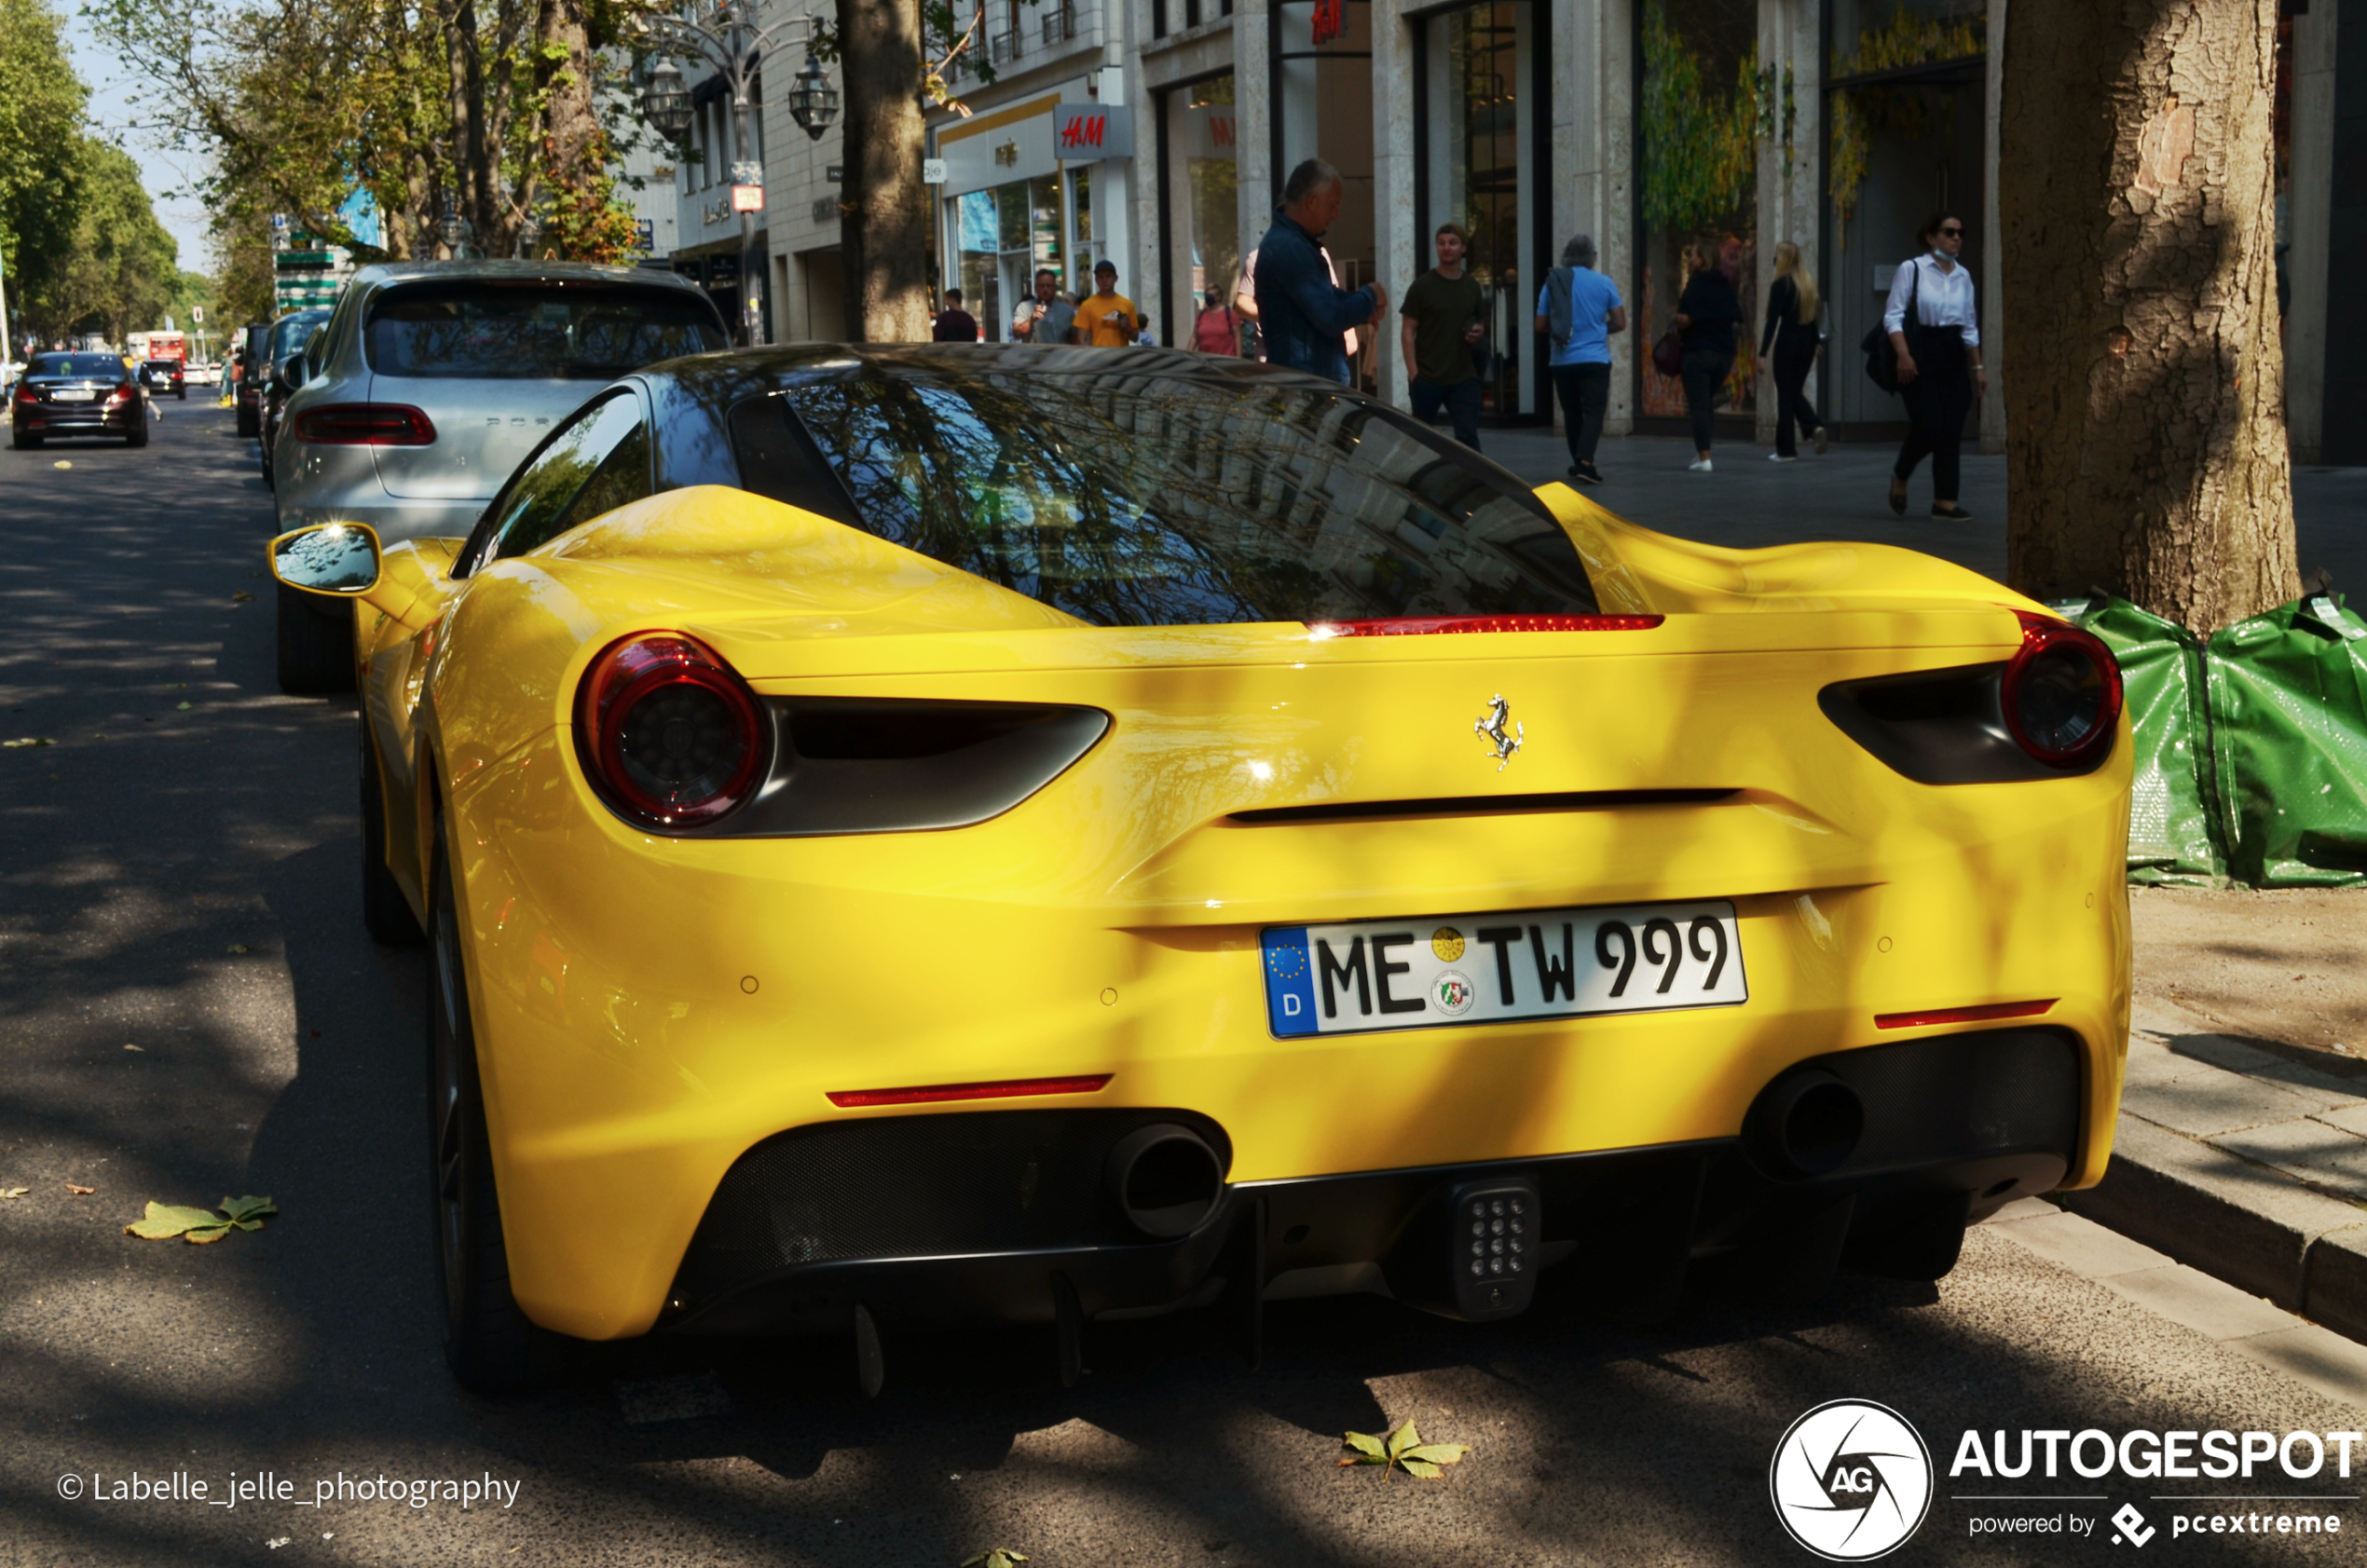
[[1429, 625], [1962, 1014], [1006, 1088], [365, 424]]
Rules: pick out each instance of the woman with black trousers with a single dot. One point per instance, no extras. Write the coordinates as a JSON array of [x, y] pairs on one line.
[[1939, 369], [1707, 315], [1792, 332]]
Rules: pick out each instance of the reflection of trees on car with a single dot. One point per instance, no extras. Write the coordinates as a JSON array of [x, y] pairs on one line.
[[1121, 502], [495, 332]]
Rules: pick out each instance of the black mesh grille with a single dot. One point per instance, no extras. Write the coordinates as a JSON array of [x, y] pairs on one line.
[[1963, 1096], [918, 1186]]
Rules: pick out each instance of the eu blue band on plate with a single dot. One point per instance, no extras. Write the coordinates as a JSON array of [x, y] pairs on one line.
[[1289, 982]]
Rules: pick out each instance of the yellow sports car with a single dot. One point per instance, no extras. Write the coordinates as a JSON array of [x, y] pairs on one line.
[[1023, 835]]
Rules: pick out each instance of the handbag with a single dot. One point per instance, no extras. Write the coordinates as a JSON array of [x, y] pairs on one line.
[[1881, 363], [1668, 354]]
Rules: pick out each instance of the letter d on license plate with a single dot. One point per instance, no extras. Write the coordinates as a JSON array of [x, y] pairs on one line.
[[1442, 971]]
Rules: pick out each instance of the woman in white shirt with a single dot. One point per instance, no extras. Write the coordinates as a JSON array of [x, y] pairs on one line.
[[1939, 369]]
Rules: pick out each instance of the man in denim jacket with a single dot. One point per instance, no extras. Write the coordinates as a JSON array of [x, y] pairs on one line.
[[1303, 314]]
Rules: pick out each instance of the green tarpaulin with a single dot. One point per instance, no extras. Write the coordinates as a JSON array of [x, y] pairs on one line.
[[2251, 748]]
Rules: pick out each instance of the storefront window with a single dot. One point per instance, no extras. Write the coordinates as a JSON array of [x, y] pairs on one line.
[[1480, 169], [1005, 234], [1697, 121], [1203, 184], [1323, 83]]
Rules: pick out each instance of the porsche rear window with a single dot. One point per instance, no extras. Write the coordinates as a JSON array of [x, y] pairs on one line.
[[492, 330], [1134, 499]]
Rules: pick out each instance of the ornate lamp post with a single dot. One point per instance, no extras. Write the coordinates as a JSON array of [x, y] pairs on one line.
[[724, 33], [454, 230], [530, 234]]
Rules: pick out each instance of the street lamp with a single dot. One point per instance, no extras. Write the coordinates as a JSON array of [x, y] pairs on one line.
[[814, 102], [454, 230], [530, 234], [667, 101]]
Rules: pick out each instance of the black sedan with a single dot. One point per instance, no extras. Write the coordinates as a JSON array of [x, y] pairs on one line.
[[160, 377], [78, 395]]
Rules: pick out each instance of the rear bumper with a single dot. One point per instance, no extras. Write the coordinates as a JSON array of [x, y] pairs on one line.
[[96, 419], [921, 1219]]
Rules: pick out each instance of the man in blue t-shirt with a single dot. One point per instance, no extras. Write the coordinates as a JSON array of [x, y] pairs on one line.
[[1578, 309]]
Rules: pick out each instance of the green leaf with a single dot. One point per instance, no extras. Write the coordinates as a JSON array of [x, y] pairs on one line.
[[248, 1212], [1423, 1468], [1437, 1453], [1403, 1438], [166, 1221], [996, 1557], [1368, 1445], [203, 1233]]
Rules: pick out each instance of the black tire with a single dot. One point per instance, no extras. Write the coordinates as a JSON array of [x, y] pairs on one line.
[[138, 434], [488, 1342], [315, 643], [250, 422], [182, 394], [25, 441], [386, 914]]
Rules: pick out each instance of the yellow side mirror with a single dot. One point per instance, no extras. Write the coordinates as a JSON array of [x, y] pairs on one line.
[[340, 559]]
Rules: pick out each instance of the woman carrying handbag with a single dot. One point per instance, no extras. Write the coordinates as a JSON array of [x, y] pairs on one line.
[[1936, 355], [1707, 315]]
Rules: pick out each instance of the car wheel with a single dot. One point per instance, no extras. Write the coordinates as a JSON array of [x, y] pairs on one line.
[[182, 394], [489, 1344], [250, 423], [25, 441], [386, 914], [315, 643], [138, 434]]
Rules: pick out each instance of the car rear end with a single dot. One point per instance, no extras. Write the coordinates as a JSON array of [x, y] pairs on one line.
[[253, 362], [452, 373], [76, 394], [1057, 935]]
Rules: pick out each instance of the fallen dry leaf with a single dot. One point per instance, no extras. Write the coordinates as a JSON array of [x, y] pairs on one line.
[[241, 948], [143, 1049], [240, 597], [80, 1192], [12, 1193], [26, 741]]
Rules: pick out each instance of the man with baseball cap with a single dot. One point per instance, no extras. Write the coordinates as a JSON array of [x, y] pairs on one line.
[[1105, 318]]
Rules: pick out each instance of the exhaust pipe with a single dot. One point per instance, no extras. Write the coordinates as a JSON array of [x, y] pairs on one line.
[[1166, 1181], [1806, 1123]]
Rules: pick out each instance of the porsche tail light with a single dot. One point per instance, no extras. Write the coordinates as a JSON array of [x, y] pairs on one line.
[[669, 733], [365, 424], [2061, 694], [1433, 625]]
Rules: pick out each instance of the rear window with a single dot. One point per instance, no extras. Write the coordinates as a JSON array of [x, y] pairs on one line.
[[291, 334], [1134, 499], [77, 364], [537, 332], [164, 364]]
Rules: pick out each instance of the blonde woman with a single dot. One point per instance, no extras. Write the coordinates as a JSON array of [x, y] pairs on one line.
[[1795, 332]]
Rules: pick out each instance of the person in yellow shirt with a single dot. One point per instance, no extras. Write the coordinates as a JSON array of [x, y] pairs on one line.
[[1105, 318]]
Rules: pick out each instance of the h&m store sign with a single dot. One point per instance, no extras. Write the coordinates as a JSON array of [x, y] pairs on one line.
[[1086, 132]]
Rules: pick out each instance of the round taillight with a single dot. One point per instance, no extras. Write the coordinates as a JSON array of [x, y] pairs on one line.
[[2061, 694], [670, 733]]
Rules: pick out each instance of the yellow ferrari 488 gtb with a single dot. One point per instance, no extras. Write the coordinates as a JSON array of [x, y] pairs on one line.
[[1021, 834]]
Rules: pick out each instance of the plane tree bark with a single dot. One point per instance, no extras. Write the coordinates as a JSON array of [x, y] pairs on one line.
[[2144, 361], [884, 211]]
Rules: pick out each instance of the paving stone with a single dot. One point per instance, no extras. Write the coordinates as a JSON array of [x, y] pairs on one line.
[[2219, 1051], [2336, 1292], [2083, 1246], [2209, 1208], [2311, 1355], [2311, 1149], [2152, 1063], [2200, 1106], [2207, 1305], [2351, 1118], [2338, 1093], [2022, 1209]]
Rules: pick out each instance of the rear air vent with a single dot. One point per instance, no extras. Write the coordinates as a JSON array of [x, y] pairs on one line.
[[1480, 805]]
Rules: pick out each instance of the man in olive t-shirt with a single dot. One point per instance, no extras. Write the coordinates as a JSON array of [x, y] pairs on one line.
[[1445, 315]]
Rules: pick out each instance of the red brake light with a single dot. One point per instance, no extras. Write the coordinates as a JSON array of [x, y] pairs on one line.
[[1006, 1088], [1962, 1014], [122, 392], [668, 732], [365, 424], [1427, 625], [2062, 693]]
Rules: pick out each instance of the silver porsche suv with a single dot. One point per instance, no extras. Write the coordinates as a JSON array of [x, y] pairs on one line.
[[429, 382]]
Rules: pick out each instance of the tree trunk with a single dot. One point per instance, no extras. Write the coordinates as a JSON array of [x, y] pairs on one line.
[[2144, 368], [884, 225]]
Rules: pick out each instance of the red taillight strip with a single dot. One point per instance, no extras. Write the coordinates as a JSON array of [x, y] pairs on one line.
[[1962, 1014], [1003, 1088], [365, 424], [1427, 625]]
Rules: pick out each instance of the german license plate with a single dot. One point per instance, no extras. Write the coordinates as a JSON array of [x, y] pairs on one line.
[[1447, 971], [74, 394]]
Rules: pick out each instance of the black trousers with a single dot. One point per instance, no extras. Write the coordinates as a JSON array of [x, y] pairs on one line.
[[1938, 401], [1706, 372], [1585, 395], [1792, 407], [1460, 399]]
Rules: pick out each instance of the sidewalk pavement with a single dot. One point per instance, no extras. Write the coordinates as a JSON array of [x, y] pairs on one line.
[[1746, 502], [2247, 1160]]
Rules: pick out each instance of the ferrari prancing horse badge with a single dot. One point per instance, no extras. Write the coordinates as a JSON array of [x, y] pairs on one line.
[[1500, 731]]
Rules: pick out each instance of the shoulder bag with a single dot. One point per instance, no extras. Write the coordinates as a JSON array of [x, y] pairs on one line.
[[1668, 354], [1881, 363]]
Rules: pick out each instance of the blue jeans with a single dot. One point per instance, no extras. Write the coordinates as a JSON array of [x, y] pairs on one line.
[[1462, 402]]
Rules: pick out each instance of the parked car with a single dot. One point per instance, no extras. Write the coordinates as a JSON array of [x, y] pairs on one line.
[[250, 357], [76, 394], [283, 370], [431, 380], [160, 377], [908, 835]]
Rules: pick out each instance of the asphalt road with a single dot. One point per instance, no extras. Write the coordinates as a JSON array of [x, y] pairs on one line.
[[177, 873]]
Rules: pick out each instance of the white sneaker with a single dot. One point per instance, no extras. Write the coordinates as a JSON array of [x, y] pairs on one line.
[[1698, 465], [1780, 457]]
